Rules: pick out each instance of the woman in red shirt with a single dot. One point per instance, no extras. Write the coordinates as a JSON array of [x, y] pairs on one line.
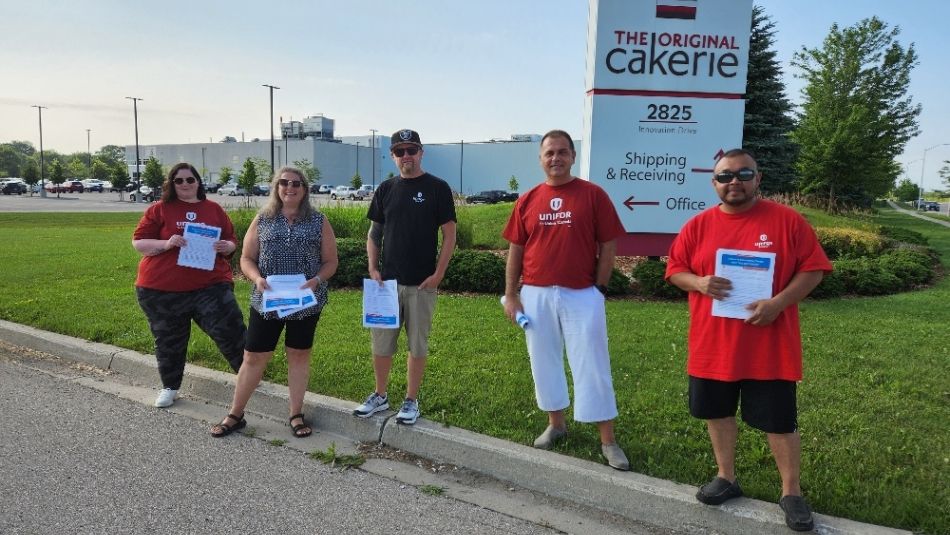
[[172, 295]]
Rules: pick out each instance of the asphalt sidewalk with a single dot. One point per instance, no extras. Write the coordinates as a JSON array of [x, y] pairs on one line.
[[641, 498]]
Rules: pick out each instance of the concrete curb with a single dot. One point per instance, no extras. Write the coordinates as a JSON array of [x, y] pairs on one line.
[[642, 498]]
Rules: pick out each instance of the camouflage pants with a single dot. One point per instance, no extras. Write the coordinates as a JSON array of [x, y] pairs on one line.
[[169, 314]]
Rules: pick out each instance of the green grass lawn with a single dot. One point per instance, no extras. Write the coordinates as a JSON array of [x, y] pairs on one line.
[[874, 404]]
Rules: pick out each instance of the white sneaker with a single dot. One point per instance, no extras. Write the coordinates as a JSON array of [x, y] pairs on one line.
[[166, 398], [408, 413], [373, 404]]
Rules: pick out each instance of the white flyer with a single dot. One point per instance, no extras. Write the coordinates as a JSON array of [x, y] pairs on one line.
[[285, 294], [751, 274], [199, 252], [380, 304]]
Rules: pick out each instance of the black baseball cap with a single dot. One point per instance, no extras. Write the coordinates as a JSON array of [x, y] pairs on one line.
[[405, 137]]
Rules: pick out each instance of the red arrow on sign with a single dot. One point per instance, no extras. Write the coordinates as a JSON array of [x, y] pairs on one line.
[[630, 203]]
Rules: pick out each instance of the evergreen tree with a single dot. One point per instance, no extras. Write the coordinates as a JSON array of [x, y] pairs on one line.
[[857, 115], [153, 175], [768, 121], [120, 177], [356, 181]]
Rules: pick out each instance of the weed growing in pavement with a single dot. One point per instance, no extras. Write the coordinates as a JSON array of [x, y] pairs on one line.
[[432, 490], [331, 458], [249, 432], [277, 442]]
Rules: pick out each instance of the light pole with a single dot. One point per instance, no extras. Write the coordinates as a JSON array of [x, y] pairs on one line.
[[373, 130], [42, 162], [461, 163], [357, 157], [138, 175], [89, 152], [923, 164], [272, 88]]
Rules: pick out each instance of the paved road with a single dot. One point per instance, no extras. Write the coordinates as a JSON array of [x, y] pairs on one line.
[[109, 202], [918, 215], [77, 460]]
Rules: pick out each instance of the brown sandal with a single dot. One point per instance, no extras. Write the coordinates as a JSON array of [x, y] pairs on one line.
[[298, 429], [222, 429]]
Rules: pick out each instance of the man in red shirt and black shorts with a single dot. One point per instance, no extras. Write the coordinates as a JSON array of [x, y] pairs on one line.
[[563, 242], [758, 359]]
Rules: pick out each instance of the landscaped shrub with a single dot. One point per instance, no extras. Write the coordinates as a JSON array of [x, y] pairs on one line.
[[912, 267], [348, 221], [848, 242], [619, 283], [353, 264], [649, 279], [475, 271], [904, 235], [241, 219], [865, 276], [832, 285], [464, 230]]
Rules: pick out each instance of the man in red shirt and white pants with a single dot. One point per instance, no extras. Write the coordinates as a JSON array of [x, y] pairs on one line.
[[757, 359], [563, 242]]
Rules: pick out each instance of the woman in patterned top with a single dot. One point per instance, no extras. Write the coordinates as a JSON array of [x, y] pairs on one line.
[[287, 237]]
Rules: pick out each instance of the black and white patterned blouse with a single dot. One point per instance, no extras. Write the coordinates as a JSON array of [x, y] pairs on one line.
[[287, 249]]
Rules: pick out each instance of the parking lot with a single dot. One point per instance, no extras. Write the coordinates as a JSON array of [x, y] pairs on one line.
[[109, 202]]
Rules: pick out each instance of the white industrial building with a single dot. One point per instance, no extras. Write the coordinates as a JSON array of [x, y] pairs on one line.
[[467, 167]]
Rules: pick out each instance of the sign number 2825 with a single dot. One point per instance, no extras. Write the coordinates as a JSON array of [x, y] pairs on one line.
[[667, 112]]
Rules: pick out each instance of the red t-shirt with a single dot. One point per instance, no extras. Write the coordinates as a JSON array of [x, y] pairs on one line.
[[160, 222], [559, 228], [727, 349]]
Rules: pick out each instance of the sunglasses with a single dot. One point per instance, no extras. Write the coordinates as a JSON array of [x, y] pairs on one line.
[[179, 180], [744, 175], [292, 183], [411, 151]]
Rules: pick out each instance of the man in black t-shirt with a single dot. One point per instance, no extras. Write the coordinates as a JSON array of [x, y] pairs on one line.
[[406, 214]]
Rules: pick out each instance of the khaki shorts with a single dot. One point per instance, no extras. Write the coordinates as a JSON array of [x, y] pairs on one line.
[[415, 312]]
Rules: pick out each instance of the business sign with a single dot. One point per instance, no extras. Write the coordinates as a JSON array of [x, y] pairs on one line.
[[664, 86]]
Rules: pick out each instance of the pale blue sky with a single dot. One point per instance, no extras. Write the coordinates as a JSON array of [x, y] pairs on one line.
[[452, 70]]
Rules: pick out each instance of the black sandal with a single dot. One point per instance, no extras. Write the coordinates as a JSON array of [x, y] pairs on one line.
[[297, 428], [222, 429]]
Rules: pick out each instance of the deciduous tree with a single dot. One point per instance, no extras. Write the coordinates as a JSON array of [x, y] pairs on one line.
[[309, 170], [857, 114], [56, 175], [153, 176]]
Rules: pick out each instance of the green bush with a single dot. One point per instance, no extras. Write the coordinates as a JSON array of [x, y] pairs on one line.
[[904, 235], [348, 221], [475, 271], [464, 229], [353, 263], [241, 219], [848, 242], [865, 276], [649, 278], [911, 267], [619, 284], [832, 285]]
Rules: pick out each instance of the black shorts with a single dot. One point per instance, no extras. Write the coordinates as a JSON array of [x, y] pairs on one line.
[[769, 406], [262, 334]]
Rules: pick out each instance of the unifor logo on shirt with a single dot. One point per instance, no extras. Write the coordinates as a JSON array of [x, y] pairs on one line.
[[763, 242], [556, 216], [191, 216], [419, 197]]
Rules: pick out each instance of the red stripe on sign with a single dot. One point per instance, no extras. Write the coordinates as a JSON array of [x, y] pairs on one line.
[[676, 12], [673, 94]]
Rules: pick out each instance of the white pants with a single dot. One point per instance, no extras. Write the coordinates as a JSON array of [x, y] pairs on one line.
[[564, 317]]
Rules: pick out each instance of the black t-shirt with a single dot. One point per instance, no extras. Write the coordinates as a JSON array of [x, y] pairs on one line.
[[411, 211]]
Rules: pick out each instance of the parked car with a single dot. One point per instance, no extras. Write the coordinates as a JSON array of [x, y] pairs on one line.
[[144, 192], [69, 186], [260, 189], [13, 186], [91, 184], [325, 188], [231, 189], [211, 188], [343, 192], [366, 191], [319, 188], [930, 206], [491, 197]]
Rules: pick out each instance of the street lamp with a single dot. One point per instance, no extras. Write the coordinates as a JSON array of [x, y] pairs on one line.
[[373, 130], [89, 152], [923, 164], [272, 88], [138, 175], [357, 157], [42, 162]]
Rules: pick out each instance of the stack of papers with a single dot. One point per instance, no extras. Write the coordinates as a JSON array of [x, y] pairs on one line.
[[285, 295], [380, 304]]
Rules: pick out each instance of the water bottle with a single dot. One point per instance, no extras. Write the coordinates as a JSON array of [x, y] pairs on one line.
[[520, 318]]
